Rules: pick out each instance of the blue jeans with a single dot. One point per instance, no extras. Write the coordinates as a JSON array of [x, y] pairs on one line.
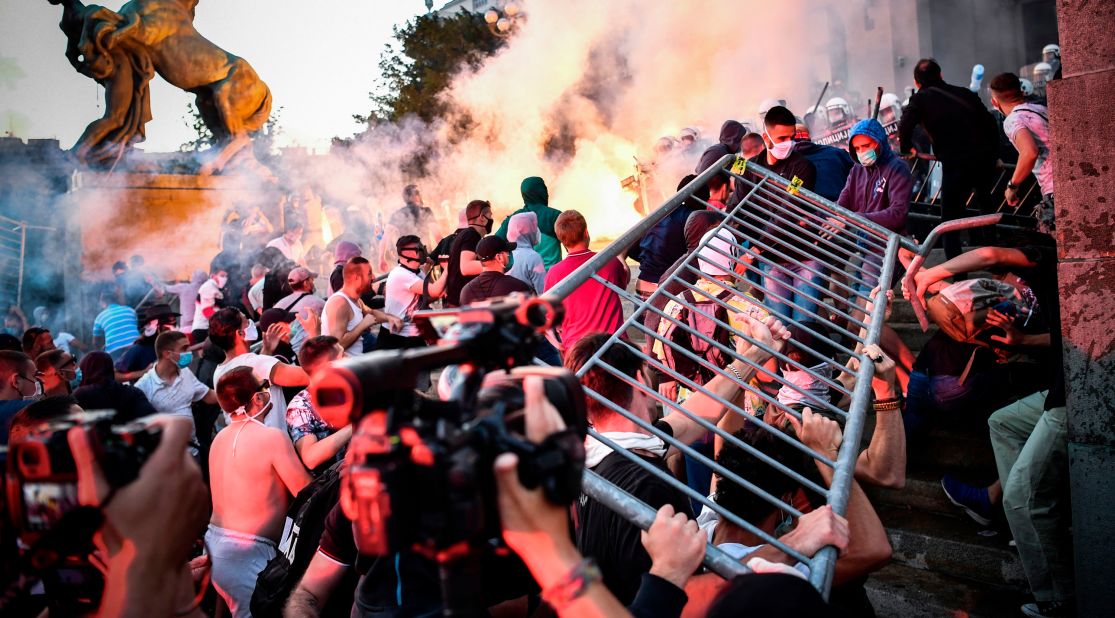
[[796, 293]]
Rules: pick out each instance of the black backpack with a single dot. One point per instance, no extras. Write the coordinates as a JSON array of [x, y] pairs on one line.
[[308, 511], [683, 338]]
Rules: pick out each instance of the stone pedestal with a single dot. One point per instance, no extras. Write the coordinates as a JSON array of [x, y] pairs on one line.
[[172, 220], [1084, 176]]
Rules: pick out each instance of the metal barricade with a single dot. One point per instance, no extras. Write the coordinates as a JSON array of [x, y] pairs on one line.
[[13, 247], [770, 232], [926, 202]]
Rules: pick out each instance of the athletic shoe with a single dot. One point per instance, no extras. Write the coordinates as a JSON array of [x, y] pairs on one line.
[[973, 500], [1052, 609]]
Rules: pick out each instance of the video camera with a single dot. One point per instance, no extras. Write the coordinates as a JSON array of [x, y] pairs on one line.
[[419, 471], [43, 506]]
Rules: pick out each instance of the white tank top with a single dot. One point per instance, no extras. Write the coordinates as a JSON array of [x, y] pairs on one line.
[[357, 346]]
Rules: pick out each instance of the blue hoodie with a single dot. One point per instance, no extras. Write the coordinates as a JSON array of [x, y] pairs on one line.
[[880, 192]]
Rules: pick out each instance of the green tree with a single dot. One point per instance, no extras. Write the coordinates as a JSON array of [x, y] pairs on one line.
[[418, 65], [204, 137]]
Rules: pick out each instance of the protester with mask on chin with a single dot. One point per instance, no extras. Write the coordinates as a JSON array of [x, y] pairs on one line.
[[254, 473], [526, 263], [493, 282], [170, 386], [463, 265], [206, 305], [59, 372], [153, 320]]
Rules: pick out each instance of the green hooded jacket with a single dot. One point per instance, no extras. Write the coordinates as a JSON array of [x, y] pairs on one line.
[[536, 199]]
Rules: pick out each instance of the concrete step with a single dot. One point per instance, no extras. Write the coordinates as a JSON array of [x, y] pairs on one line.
[[912, 335], [900, 590], [962, 451], [922, 493], [951, 546]]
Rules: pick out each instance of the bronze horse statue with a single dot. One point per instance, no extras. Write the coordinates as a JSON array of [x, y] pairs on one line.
[[160, 34]]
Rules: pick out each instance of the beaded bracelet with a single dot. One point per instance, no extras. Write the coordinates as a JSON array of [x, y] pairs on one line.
[[573, 585], [888, 405]]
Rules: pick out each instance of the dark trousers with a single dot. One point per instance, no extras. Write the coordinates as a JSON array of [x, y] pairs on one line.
[[386, 340], [960, 181]]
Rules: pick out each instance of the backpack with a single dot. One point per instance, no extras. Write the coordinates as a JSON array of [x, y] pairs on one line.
[[308, 512], [685, 338], [960, 310]]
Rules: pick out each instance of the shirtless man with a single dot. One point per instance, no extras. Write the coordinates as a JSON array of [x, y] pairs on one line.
[[345, 316], [254, 472]]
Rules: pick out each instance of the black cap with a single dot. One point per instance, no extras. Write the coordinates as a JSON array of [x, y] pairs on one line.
[[410, 240], [491, 246], [273, 316], [157, 311]]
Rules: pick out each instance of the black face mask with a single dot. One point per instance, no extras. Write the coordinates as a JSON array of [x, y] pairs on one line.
[[487, 224]]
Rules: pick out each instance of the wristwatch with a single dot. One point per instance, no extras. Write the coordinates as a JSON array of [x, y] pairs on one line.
[[1012, 186]]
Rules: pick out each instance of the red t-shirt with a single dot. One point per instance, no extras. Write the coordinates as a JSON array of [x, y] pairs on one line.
[[592, 308]]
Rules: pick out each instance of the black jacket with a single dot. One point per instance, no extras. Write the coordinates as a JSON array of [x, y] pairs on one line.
[[958, 123]]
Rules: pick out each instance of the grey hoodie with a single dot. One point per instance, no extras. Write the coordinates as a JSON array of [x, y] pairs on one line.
[[522, 229]]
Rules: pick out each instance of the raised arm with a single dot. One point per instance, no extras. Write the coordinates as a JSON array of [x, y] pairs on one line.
[[772, 335], [883, 463], [286, 463], [868, 546]]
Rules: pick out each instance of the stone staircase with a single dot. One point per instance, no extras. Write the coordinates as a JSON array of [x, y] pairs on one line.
[[944, 563]]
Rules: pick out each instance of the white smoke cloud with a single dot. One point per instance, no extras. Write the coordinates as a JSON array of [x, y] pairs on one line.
[[609, 78]]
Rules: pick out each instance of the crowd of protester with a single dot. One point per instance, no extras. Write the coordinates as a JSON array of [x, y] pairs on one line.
[[226, 358]]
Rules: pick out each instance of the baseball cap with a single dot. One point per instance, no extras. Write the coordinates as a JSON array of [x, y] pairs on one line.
[[273, 316], [710, 261], [300, 274], [491, 246]]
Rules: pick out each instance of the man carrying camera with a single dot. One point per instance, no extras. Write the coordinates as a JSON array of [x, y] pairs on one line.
[[253, 473]]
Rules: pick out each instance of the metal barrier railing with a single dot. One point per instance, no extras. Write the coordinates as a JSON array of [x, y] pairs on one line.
[[13, 247], [771, 231], [927, 194]]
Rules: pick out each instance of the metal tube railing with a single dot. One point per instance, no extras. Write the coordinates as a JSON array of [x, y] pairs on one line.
[[767, 202]]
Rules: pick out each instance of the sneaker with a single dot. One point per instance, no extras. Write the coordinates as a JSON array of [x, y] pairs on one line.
[[973, 500], [1051, 609]]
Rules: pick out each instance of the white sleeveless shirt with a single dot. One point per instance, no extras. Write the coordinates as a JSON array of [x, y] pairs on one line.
[[357, 346]]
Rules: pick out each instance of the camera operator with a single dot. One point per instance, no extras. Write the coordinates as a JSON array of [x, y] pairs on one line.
[[254, 470], [602, 533], [536, 529], [150, 525]]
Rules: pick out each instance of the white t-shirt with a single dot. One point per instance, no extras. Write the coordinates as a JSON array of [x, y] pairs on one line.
[[208, 294], [262, 366], [1035, 119], [400, 301], [738, 551], [255, 295], [292, 251]]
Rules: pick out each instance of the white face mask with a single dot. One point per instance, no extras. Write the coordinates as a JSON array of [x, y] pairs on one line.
[[781, 150], [151, 328], [251, 333], [221, 280]]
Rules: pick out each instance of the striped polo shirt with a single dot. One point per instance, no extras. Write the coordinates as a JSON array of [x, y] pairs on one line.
[[117, 324]]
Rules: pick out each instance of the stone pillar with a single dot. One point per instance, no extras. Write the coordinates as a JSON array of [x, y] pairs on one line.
[[1080, 113]]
